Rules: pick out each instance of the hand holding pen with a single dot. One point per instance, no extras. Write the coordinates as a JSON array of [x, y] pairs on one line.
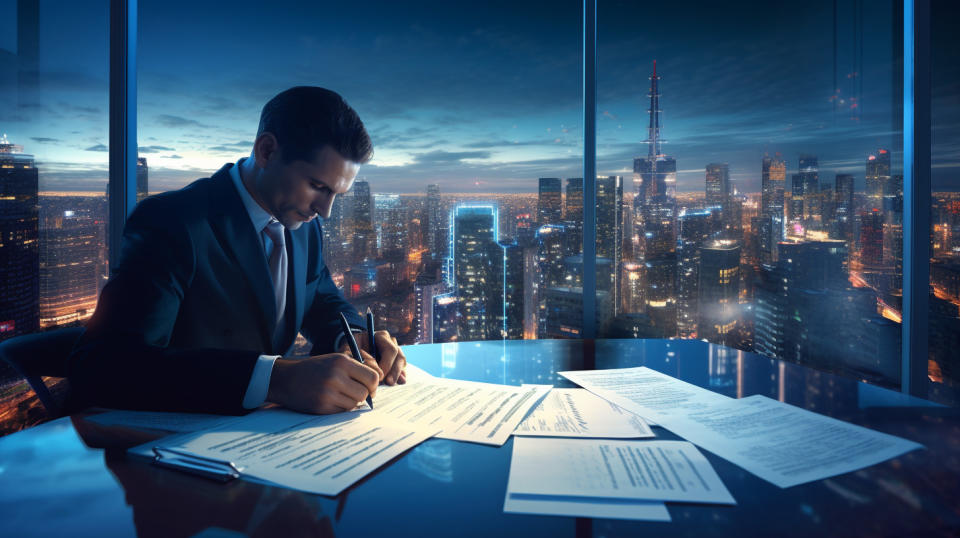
[[354, 348], [386, 352]]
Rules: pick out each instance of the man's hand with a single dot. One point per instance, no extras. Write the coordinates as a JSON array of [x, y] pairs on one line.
[[392, 361], [323, 384]]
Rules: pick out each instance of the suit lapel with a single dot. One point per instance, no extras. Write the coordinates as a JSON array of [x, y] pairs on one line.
[[238, 238]]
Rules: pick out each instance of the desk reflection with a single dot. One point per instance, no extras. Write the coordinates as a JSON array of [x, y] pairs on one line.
[[173, 504]]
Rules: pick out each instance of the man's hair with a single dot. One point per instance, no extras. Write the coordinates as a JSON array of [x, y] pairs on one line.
[[306, 118]]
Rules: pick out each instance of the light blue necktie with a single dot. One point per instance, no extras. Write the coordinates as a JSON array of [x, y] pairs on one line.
[[278, 265]]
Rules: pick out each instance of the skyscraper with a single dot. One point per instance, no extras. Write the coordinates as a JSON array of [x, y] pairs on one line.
[[551, 251], [719, 193], [871, 238], [718, 184], [19, 234], [435, 224], [845, 211], [718, 309], [773, 180], [429, 284], [795, 221], [550, 201], [445, 309], [142, 189], [695, 230], [783, 306], [656, 207], [877, 176], [810, 183], [573, 215], [477, 272], [513, 290], [69, 260], [610, 235], [364, 239], [391, 222]]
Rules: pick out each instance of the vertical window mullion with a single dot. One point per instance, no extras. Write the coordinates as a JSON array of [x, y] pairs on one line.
[[589, 168], [122, 186], [917, 196]]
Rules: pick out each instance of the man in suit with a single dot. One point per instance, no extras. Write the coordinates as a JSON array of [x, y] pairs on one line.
[[215, 280]]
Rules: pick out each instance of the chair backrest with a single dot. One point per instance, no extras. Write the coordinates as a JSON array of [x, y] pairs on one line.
[[39, 355]]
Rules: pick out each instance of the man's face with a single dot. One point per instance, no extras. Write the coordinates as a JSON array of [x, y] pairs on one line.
[[298, 191]]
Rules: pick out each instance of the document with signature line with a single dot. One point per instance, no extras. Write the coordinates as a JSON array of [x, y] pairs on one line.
[[462, 410]]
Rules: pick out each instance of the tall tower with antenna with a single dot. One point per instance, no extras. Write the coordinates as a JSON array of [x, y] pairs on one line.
[[655, 207]]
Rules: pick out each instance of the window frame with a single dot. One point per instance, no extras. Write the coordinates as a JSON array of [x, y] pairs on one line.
[[916, 164]]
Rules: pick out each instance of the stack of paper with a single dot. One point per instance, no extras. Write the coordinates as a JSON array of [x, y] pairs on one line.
[[462, 410], [326, 454], [609, 478], [780, 443], [316, 454], [648, 393]]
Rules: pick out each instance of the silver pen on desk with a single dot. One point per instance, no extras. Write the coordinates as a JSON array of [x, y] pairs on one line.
[[354, 348]]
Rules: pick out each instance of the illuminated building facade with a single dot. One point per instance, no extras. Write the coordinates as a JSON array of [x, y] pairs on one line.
[[877, 177], [69, 263], [477, 261], [549, 201], [19, 248], [364, 239], [719, 290], [695, 230]]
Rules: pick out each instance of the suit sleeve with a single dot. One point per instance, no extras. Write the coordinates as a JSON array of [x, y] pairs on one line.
[[123, 360], [321, 322]]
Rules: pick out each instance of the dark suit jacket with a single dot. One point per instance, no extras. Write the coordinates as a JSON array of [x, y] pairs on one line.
[[188, 308]]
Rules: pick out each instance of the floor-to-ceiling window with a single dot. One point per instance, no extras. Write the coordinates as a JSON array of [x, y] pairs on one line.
[[758, 147], [54, 95], [944, 317], [465, 225]]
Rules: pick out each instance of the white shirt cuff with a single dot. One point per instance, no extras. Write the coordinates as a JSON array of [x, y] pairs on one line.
[[259, 382], [339, 340]]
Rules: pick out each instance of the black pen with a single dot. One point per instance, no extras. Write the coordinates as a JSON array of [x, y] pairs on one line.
[[370, 331], [354, 348]]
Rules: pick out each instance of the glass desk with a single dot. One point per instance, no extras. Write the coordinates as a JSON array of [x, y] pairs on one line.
[[70, 476]]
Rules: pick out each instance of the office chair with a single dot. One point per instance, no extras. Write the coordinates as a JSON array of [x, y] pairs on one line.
[[39, 355]]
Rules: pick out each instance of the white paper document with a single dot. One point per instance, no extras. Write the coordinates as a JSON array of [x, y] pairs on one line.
[[784, 444], [158, 420], [616, 469], [586, 507], [462, 410], [648, 393], [580, 413], [316, 454]]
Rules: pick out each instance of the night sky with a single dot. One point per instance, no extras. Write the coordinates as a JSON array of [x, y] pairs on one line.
[[485, 98]]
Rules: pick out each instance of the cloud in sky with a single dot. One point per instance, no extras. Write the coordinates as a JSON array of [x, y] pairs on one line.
[[170, 120], [44, 139], [98, 147], [153, 149], [440, 156]]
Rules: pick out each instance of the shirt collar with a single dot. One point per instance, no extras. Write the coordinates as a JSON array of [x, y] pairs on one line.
[[258, 216]]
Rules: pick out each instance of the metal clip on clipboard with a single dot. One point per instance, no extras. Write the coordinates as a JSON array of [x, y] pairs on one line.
[[215, 469]]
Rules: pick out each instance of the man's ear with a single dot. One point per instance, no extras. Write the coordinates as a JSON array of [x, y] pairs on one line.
[[265, 147]]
